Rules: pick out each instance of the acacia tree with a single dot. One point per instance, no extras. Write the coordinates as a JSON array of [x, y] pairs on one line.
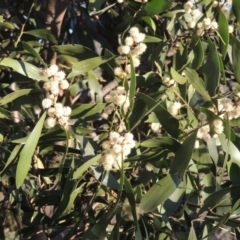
[[119, 119]]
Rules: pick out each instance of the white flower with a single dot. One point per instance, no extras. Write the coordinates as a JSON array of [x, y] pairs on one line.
[[195, 13], [128, 137], [230, 29], [133, 31], [139, 49], [51, 112], [47, 103], [120, 1], [47, 86], [121, 90], [120, 60], [117, 148], [53, 69], [58, 110], [64, 84], [106, 145], [136, 62], [202, 117], [207, 23], [192, 24], [50, 122], [196, 145], [59, 76], [129, 41], [214, 25], [155, 126], [128, 68], [104, 115], [105, 126], [187, 6], [114, 137], [63, 121], [67, 111], [139, 37], [119, 72], [215, 3], [124, 49]]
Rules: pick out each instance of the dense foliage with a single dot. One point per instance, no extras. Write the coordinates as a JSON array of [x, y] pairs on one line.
[[124, 124]]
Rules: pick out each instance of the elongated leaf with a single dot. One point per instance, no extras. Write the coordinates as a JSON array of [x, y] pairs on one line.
[[86, 110], [14, 95], [23, 68], [177, 77], [132, 87], [14, 154], [30, 49], [192, 234], [150, 22], [211, 70], [159, 192], [42, 34], [236, 9], [183, 155], [156, 7], [78, 173], [197, 83], [223, 31], [198, 51], [27, 152], [131, 198], [84, 66], [216, 198], [236, 57], [169, 123]]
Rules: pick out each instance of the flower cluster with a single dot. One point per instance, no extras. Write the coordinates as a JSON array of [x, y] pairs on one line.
[[116, 149], [127, 210], [228, 108], [133, 45], [174, 108], [206, 24], [56, 81], [116, 98], [57, 113], [167, 81]]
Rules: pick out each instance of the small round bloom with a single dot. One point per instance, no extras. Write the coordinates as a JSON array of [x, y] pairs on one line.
[[51, 112], [192, 24], [120, 1], [129, 41], [106, 145], [119, 72], [63, 121], [139, 38], [187, 6], [64, 84], [121, 90], [139, 49], [47, 86], [53, 69], [114, 136], [120, 60], [67, 111], [202, 117], [58, 110], [104, 115], [207, 23], [215, 3], [128, 68], [214, 25], [128, 137], [124, 49], [117, 148], [155, 126], [133, 31], [230, 29], [47, 103], [136, 62], [50, 122], [59, 76]]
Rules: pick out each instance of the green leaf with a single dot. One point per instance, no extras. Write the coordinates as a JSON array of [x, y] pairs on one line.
[[42, 34], [169, 123], [197, 47], [14, 154], [192, 234], [131, 198], [150, 22], [154, 7], [84, 66], [79, 172], [159, 192], [86, 110], [197, 83], [132, 87], [236, 9], [211, 70], [8, 25], [236, 57], [14, 95], [216, 198], [23, 68], [27, 152], [183, 155], [177, 77], [30, 49], [223, 31]]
